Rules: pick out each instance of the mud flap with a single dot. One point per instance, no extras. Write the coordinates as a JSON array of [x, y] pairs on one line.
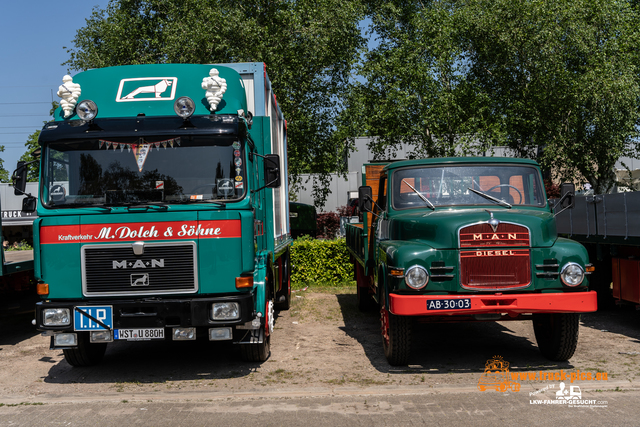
[[252, 336]]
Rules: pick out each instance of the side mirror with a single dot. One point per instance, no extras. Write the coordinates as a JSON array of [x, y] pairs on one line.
[[567, 195], [272, 171], [20, 179], [365, 198], [29, 204]]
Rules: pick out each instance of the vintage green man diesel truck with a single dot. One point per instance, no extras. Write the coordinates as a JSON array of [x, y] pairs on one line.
[[466, 239], [162, 209]]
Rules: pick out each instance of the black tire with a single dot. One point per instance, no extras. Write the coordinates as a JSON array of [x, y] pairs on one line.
[[557, 334], [397, 342], [86, 353], [259, 352], [256, 352], [283, 297]]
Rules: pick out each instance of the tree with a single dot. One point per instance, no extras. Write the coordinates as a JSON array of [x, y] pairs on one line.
[[310, 48], [557, 81], [4, 174], [563, 76], [415, 89]]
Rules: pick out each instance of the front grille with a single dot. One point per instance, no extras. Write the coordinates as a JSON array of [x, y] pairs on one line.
[[482, 235], [162, 268], [492, 259]]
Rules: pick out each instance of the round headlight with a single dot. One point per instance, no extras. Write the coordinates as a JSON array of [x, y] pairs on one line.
[[87, 110], [572, 274], [416, 277], [184, 107]]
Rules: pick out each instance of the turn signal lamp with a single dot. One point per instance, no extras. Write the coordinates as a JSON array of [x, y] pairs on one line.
[[42, 289], [87, 110], [184, 107], [244, 282]]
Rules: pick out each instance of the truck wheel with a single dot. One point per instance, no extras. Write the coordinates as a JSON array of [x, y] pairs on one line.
[[260, 352], [256, 352], [557, 334], [396, 337], [86, 353], [283, 297]]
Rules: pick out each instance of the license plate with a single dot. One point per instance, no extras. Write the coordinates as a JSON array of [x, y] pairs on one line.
[[449, 304], [102, 313], [142, 334]]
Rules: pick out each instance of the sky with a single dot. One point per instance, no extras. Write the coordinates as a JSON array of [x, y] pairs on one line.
[[34, 35]]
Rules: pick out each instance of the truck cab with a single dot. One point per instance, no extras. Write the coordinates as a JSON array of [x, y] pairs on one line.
[[162, 209]]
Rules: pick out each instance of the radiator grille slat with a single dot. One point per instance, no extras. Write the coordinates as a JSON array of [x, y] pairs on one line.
[[162, 269]]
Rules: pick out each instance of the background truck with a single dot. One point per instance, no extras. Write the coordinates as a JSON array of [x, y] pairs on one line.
[[466, 239], [607, 225], [162, 209], [17, 284]]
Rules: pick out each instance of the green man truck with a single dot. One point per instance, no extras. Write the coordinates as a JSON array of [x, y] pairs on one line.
[[467, 239], [162, 209]]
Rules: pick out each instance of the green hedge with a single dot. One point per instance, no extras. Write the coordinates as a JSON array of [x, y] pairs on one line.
[[320, 261]]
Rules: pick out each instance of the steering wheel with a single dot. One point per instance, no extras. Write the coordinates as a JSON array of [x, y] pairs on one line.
[[509, 185]]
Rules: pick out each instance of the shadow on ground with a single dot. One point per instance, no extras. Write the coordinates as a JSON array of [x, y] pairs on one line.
[[445, 348]]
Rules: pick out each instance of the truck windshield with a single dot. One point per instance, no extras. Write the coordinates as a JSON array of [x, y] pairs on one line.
[[186, 169], [490, 184]]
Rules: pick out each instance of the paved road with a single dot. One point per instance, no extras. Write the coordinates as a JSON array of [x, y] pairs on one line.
[[318, 407]]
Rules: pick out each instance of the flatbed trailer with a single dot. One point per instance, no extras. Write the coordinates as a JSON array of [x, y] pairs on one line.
[[607, 225]]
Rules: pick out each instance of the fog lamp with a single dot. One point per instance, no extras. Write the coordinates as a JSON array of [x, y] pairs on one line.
[[225, 311], [220, 334], [572, 274], [184, 107], [65, 340], [56, 316], [100, 336], [87, 110], [184, 334]]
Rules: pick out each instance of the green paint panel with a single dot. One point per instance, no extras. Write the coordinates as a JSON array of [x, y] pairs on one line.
[[128, 91]]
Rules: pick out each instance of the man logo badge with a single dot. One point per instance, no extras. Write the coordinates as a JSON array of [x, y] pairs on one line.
[[140, 279], [147, 89]]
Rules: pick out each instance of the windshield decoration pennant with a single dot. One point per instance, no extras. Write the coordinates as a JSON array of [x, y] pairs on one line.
[[100, 143], [140, 152], [115, 145]]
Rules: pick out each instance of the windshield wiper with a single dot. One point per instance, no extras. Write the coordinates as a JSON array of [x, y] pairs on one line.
[[149, 205], [424, 199], [488, 197], [79, 205]]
